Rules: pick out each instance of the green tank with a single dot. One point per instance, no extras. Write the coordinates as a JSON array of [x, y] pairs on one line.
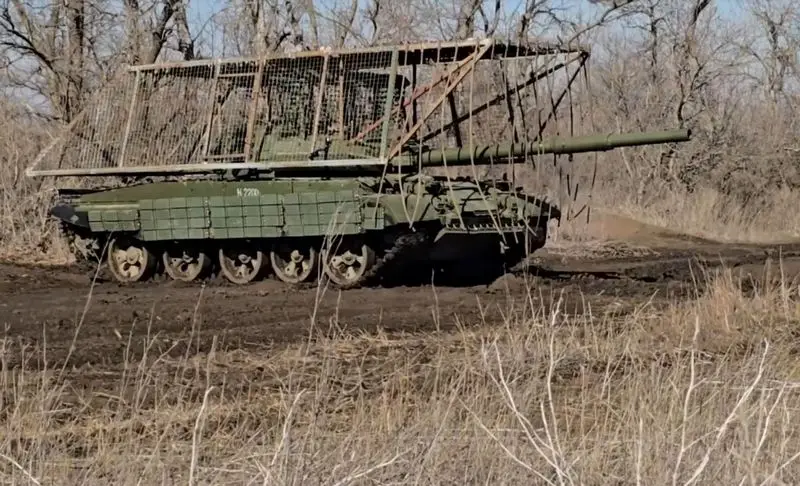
[[313, 164]]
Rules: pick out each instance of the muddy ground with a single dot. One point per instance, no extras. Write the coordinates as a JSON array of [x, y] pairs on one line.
[[49, 305]]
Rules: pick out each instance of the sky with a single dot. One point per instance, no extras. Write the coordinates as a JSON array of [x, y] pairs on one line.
[[200, 11], [204, 9]]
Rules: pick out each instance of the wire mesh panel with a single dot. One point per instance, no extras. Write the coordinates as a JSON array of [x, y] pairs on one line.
[[311, 109], [494, 94]]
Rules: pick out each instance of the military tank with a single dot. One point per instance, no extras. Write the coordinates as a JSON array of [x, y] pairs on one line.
[[316, 163]]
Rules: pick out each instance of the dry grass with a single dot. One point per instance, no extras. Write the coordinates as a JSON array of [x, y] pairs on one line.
[[772, 218], [27, 234], [697, 392], [700, 391]]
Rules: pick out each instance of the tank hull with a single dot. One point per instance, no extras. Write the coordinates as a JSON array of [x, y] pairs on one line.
[[383, 228]]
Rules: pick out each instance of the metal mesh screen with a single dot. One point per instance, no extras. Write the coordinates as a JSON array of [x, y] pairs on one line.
[[496, 96], [321, 108]]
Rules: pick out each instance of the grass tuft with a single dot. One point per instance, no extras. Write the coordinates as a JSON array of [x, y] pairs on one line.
[[689, 392]]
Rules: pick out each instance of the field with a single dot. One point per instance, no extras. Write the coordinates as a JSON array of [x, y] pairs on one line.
[[668, 359], [625, 353]]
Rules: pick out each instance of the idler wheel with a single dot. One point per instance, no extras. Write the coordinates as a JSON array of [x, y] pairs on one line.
[[185, 264], [242, 265], [293, 265], [130, 260], [348, 262]]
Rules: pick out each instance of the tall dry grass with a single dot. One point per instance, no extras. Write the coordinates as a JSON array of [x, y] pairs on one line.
[[768, 218], [697, 392], [26, 231]]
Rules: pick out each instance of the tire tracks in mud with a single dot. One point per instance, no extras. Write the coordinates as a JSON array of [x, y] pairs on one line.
[[679, 264], [44, 305]]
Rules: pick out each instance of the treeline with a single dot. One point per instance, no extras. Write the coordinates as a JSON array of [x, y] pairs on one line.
[[729, 75]]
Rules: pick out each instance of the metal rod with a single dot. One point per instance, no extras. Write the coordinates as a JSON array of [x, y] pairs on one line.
[[320, 100], [540, 48], [212, 109], [240, 75], [450, 87], [414, 100], [340, 117], [388, 104], [129, 123], [225, 156], [206, 168], [255, 92]]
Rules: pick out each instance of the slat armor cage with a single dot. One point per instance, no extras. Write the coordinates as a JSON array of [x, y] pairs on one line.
[[314, 109]]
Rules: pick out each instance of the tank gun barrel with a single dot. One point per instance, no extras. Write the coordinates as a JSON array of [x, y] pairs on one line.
[[483, 154]]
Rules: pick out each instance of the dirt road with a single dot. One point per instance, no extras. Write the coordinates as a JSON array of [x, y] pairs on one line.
[[50, 304]]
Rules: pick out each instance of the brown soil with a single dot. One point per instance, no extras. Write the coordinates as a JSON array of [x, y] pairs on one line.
[[43, 304], [605, 226]]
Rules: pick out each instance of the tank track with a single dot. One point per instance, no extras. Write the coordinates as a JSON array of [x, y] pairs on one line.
[[400, 263], [86, 251], [405, 246], [397, 261], [393, 262]]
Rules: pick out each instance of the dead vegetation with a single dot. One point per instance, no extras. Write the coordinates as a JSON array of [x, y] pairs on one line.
[[701, 391], [689, 393], [730, 76]]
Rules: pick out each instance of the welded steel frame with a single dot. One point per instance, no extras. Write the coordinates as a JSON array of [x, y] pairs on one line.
[[465, 55]]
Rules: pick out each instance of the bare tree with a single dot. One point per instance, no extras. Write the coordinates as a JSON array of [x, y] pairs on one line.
[[47, 52], [260, 27], [64, 51], [656, 63], [676, 72], [774, 46], [148, 26]]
